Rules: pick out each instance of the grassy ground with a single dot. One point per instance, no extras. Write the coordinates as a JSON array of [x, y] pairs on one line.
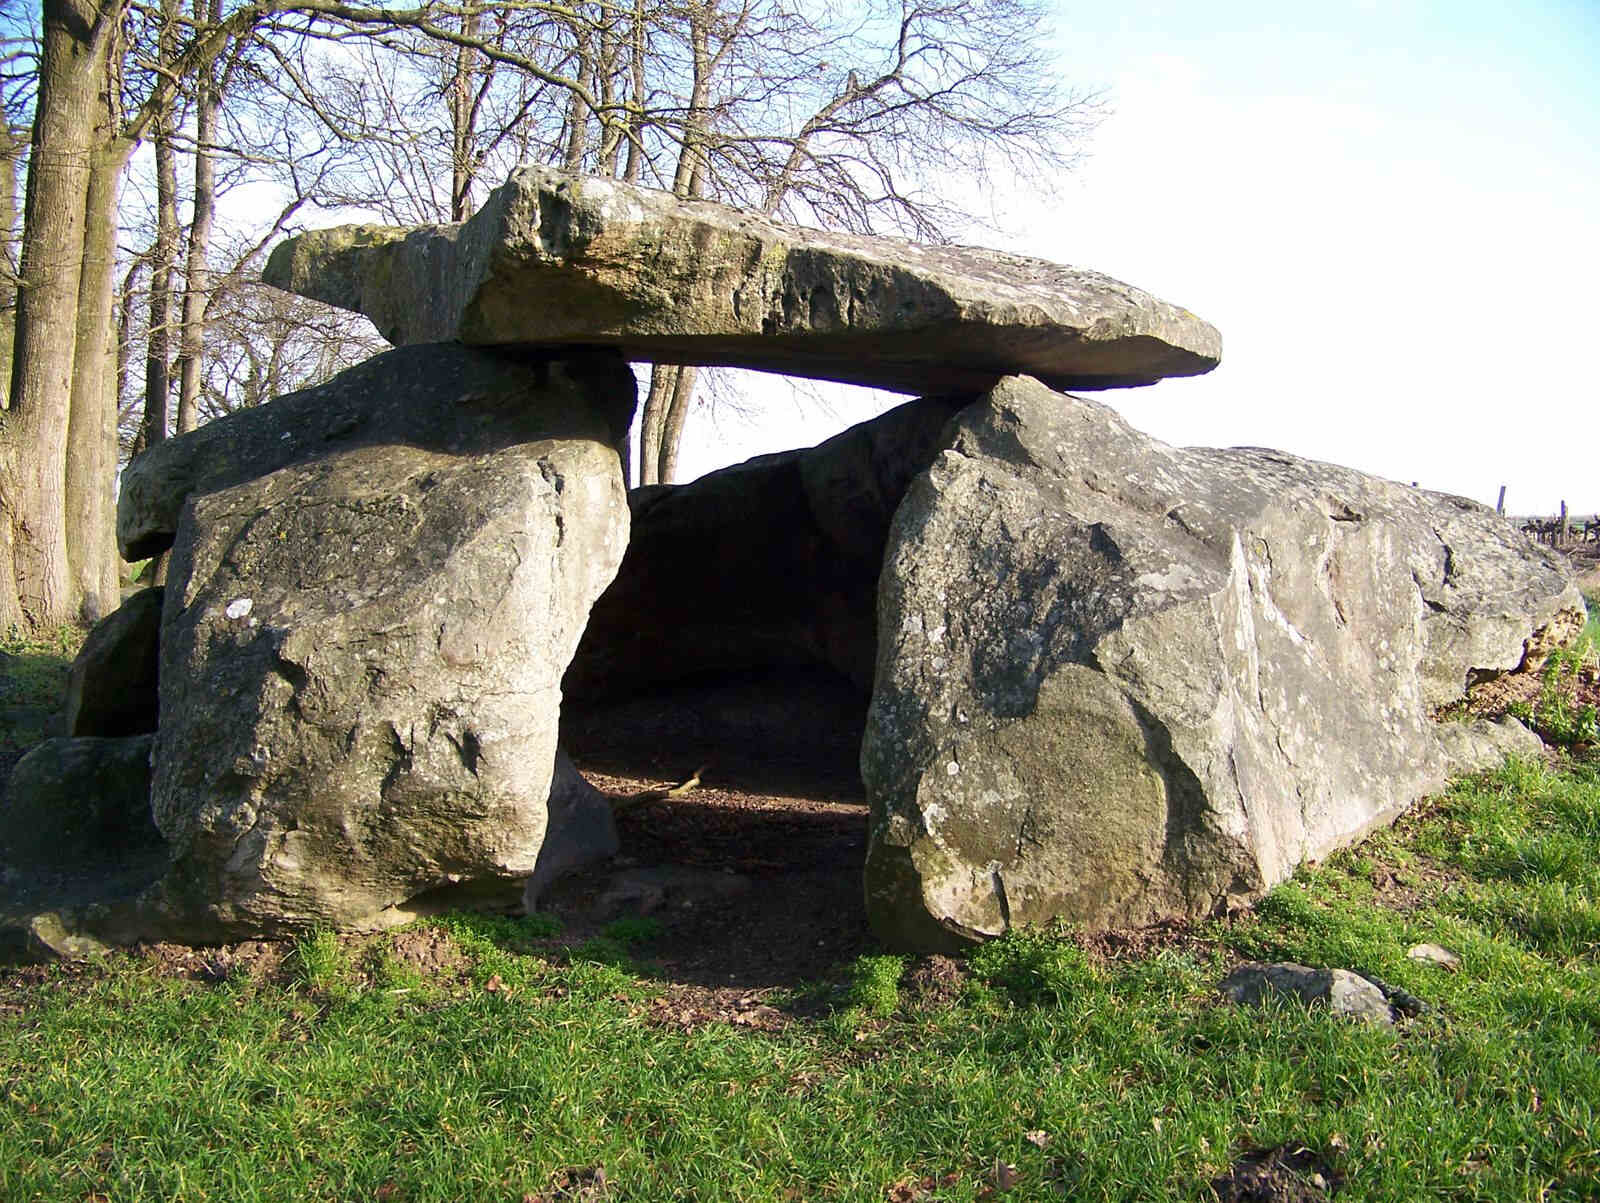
[[474, 1058], [1047, 1071], [33, 679]]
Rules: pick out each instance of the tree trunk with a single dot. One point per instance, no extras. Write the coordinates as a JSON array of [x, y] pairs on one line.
[[196, 276], [127, 298], [660, 455], [577, 111], [657, 401], [35, 580], [91, 467], [462, 121], [635, 160], [672, 429], [163, 256], [12, 143], [688, 180]]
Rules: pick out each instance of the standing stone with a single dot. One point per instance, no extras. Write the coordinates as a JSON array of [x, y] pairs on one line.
[[361, 660], [111, 689], [556, 259], [1118, 680]]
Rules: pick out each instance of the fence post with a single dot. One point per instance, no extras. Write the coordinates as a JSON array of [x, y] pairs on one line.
[[1500, 506], [1563, 536]]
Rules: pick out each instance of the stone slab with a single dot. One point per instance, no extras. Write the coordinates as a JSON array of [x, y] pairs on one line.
[[555, 259]]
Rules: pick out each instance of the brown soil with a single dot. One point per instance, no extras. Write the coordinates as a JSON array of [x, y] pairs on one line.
[[755, 876], [1284, 1175], [257, 960], [751, 889], [1287, 1174], [429, 951]]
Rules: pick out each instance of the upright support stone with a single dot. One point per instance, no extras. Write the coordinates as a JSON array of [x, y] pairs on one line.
[[361, 661], [1118, 680]]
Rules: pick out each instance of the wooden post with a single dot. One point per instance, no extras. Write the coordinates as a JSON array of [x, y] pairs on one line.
[[1500, 506]]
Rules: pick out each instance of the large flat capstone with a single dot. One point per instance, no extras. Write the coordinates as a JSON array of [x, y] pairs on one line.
[[555, 259]]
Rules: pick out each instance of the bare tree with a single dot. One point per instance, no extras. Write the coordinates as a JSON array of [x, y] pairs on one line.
[[853, 118], [89, 117], [859, 124], [196, 275]]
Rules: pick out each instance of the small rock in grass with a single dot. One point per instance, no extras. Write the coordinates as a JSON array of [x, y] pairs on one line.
[[1343, 992], [1435, 954]]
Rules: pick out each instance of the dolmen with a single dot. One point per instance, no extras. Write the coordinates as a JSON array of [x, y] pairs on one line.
[[1109, 679]]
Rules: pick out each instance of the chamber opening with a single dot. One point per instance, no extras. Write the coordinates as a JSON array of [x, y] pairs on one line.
[[753, 877]]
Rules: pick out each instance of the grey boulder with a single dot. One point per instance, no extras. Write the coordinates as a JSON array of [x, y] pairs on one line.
[[580, 829], [448, 398], [361, 660], [559, 259], [1435, 954], [1481, 744], [111, 688], [1118, 680], [77, 846], [78, 805]]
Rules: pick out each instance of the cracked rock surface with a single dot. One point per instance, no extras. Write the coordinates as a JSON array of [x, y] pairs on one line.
[[1118, 680], [556, 259], [360, 676]]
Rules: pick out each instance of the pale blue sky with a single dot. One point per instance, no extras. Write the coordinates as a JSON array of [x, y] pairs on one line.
[[1391, 211]]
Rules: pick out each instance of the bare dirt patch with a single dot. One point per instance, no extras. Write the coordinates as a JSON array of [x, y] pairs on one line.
[[755, 877], [429, 951], [1136, 943], [935, 983], [1286, 1174], [259, 961], [750, 890]]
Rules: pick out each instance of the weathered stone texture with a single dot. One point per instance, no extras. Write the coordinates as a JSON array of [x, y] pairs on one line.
[[445, 398], [580, 829], [361, 661], [1117, 679], [111, 689], [558, 259], [1341, 991]]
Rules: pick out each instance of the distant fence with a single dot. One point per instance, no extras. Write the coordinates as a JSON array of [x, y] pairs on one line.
[[1563, 529], [1560, 531]]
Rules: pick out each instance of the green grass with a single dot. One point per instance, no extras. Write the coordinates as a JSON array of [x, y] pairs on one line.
[[33, 681], [875, 985], [1557, 714], [35, 666], [354, 1076]]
